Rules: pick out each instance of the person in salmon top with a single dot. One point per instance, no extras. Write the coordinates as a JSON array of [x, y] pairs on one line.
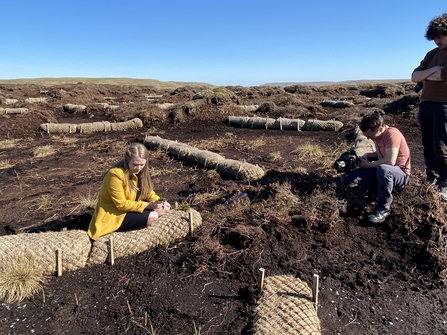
[[383, 170], [127, 200]]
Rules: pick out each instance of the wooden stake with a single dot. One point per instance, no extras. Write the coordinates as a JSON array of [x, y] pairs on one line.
[[176, 205], [111, 252], [191, 223], [145, 318], [280, 124], [59, 262], [261, 280], [315, 291]]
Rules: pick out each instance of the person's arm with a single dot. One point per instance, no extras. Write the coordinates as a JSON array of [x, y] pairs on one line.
[[433, 74], [389, 159], [152, 200], [114, 182], [437, 75], [371, 156]]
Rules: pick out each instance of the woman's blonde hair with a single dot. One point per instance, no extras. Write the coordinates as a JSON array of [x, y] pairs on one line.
[[144, 187]]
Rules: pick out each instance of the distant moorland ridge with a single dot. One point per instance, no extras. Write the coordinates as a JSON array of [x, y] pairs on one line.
[[173, 84], [328, 83]]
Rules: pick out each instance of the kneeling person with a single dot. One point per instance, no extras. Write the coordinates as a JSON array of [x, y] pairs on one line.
[[385, 169], [127, 200]]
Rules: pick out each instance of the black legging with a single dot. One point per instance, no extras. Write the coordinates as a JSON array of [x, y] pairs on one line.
[[135, 221]]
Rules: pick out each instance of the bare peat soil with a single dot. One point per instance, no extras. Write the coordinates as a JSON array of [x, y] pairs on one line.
[[386, 279]]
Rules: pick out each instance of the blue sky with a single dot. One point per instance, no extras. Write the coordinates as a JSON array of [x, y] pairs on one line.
[[230, 42]]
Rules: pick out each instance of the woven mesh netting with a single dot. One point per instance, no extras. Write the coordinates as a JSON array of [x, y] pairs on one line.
[[33, 100], [283, 123], [203, 158], [362, 143], [75, 246], [91, 126], [13, 111], [316, 125], [9, 101], [72, 108], [126, 125], [265, 123], [286, 307], [58, 127], [173, 225]]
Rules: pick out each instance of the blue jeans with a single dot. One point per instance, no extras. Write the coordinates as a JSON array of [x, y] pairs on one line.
[[382, 180], [432, 118]]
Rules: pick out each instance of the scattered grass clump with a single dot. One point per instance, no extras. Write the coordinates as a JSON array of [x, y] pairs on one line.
[[20, 278], [64, 139], [44, 151], [275, 156], [200, 198], [308, 151], [45, 202], [87, 202], [6, 144], [5, 164]]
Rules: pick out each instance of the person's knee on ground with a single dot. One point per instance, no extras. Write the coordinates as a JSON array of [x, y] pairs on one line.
[[153, 216]]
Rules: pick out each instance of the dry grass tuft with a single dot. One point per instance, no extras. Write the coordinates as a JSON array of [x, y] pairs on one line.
[[43, 151], [87, 202], [65, 139], [20, 278], [308, 151], [275, 156], [200, 198], [253, 144], [300, 170], [5, 164], [6, 144], [45, 202], [319, 211]]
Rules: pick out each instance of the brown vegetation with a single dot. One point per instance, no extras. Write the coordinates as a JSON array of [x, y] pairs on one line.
[[293, 221]]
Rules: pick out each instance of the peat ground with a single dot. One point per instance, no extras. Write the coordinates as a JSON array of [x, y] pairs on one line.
[[387, 279]]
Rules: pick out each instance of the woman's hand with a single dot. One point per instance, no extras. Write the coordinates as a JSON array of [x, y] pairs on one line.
[[159, 206], [162, 208], [153, 205], [165, 205]]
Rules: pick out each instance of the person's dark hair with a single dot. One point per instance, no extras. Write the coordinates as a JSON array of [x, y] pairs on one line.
[[371, 121], [436, 27]]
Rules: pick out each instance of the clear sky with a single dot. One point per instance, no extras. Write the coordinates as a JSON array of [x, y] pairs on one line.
[[231, 42]]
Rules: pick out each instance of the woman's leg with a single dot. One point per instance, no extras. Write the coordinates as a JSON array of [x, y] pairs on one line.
[[135, 221], [153, 216]]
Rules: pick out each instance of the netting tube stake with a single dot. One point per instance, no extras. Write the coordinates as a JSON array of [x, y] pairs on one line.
[[59, 262], [261, 280], [315, 290], [191, 223], [111, 252]]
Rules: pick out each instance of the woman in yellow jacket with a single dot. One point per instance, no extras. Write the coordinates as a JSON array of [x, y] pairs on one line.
[[126, 200]]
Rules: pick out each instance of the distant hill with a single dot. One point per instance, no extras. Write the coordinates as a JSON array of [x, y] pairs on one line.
[[111, 81], [327, 83], [173, 84]]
